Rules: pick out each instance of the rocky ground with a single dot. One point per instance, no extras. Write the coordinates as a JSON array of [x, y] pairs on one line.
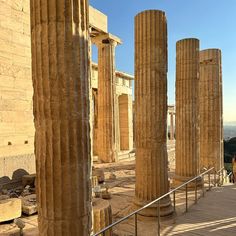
[[120, 180]]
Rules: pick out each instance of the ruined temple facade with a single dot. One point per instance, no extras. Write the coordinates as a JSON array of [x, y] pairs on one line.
[[17, 129], [16, 107]]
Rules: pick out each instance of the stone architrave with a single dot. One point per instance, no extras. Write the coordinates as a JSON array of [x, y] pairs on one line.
[[107, 126], [151, 111], [187, 110], [60, 71], [210, 109]]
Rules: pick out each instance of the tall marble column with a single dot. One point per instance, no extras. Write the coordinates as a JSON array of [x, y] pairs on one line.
[[60, 72], [151, 111], [187, 110], [210, 109], [107, 130]]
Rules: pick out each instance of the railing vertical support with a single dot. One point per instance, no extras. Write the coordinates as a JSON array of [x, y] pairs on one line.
[[215, 178], [157, 201], [174, 201], [209, 181], [222, 181], [186, 193], [158, 219], [195, 191], [203, 187], [135, 224]]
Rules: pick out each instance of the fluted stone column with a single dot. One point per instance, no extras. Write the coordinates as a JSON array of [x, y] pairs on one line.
[[187, 110], [151, 111], [60, 71], [210, 109], [221, 116], [172, 131], [107, 130]]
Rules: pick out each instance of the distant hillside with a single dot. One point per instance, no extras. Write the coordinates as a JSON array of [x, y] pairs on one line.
[[229, 149], [229, 131]]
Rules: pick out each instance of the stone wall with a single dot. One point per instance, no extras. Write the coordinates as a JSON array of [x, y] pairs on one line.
[[16, 91], [16, 115]]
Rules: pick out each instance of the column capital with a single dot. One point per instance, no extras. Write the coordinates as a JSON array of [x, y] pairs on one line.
[[106, 38]]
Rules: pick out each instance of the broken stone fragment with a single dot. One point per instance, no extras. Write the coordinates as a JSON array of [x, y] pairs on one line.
[[4, 191], [29, 204], [28, 180], [10, 209], [4, 197], [112, 176], [106, 195], [100, 175]]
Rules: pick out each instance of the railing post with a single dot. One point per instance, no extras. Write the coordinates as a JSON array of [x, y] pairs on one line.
[[209, 181], [174, 201], [195, 191], [158, 219], [203, 191], [135, 224], [186, 189], [215, 178], [222, 182], [104, 233]]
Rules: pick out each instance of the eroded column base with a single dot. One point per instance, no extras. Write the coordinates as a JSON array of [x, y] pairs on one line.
[[166, 209], [102, 215]]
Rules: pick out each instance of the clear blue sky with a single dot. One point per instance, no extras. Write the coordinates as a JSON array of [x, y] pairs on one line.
[[211, 21]]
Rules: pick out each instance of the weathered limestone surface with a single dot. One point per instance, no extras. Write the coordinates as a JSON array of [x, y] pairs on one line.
[[151, 110], [97, 20], [106, 132], [124, 121], [210, 109], [29, 204], [187, 110], [10, 209], [16, 112], [102, 215], [60, 66]]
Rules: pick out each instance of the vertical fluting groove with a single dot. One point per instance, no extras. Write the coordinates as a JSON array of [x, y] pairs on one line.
[[60, 74], [151, 109], [106, 99], [210, 109], [187, 109]]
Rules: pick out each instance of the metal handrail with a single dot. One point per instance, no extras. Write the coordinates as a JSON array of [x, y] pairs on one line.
[[134, 213]]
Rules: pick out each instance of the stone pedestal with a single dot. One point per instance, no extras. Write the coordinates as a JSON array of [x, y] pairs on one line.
[[107, 130], [210, 109], [151, 111], [60, 73], [187, 110], [102, 215]]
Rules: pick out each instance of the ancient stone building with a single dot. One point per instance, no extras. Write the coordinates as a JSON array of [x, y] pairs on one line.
[[124, 118], [16, 110], [16, 114]]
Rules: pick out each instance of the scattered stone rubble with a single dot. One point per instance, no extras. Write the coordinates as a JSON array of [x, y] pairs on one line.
[[22, 199]]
